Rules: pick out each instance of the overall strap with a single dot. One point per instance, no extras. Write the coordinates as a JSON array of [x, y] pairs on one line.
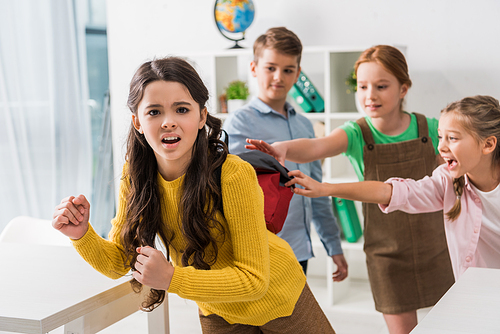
[[423, 128], [367, 134]]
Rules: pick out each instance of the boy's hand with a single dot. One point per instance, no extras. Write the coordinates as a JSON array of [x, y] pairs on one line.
[[341, 273], [276, 150], [153, 269], [71, 216], [312, 188]]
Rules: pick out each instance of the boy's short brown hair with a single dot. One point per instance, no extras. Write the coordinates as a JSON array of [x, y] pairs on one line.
[[280, 39]]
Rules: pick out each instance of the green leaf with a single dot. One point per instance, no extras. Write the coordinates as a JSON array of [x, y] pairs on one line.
[[237, 90], [351, 82]]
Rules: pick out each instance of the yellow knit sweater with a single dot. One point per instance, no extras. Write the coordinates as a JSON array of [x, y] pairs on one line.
[[256, 277]]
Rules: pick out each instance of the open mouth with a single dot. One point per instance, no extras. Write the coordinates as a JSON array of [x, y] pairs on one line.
[[170, 140], [451, 163]]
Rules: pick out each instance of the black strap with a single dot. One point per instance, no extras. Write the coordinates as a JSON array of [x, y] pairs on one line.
[[218, 174], [226, 137], [263, 162]]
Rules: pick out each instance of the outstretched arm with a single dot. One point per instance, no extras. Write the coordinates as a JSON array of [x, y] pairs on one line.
[[365, 191], [303, 150]]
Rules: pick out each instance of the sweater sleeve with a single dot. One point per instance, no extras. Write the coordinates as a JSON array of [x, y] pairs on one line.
[[106, 256], [245, 275]]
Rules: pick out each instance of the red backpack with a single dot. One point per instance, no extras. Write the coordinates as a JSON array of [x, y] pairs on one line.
[[272, 177]]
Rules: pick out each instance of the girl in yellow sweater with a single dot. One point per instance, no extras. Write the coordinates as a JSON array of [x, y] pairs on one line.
[[243, 277]]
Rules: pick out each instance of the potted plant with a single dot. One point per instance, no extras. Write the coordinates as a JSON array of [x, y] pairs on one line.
[[351, 82], [236, 95], [352, 87]]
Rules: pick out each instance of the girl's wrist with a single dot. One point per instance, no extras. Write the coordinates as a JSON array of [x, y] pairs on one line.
[[170, 276], [327, 189], [78, 237]]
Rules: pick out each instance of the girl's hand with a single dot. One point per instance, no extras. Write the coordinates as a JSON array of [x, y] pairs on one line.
[[277, 149], [71, 216], [153, 269], [312, 188]]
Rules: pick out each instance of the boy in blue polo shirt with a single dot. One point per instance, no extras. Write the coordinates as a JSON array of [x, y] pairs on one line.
[[269, 117]]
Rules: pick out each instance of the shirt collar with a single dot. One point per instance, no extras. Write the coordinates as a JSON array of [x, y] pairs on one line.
[[265, 109], [467, 183]]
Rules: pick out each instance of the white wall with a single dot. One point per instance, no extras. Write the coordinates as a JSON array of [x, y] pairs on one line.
[[453, 46]]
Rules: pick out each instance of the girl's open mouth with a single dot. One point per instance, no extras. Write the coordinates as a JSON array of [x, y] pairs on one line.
[[170, 140], [451, 163]]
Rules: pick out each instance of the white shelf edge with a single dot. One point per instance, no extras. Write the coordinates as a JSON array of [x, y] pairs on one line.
[[313, 115], [220, 115], [334, 49], [345, 115], [249, 51], [358, 245]]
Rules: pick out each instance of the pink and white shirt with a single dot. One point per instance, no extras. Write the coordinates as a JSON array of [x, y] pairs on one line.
[[434, 193]]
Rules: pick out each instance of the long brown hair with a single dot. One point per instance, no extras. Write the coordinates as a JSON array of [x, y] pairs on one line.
[[390, 58], [480, 116], [144, 219]]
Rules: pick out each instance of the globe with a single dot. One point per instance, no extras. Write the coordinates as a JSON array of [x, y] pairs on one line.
[[234, 16]]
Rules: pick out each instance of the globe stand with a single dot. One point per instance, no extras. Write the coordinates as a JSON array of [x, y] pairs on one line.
[[236, 45]]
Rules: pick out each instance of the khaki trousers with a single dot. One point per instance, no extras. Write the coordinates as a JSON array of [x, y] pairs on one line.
[[307, 317]]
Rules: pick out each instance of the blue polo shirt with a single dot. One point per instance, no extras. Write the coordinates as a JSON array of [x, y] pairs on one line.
[[257, 120]]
